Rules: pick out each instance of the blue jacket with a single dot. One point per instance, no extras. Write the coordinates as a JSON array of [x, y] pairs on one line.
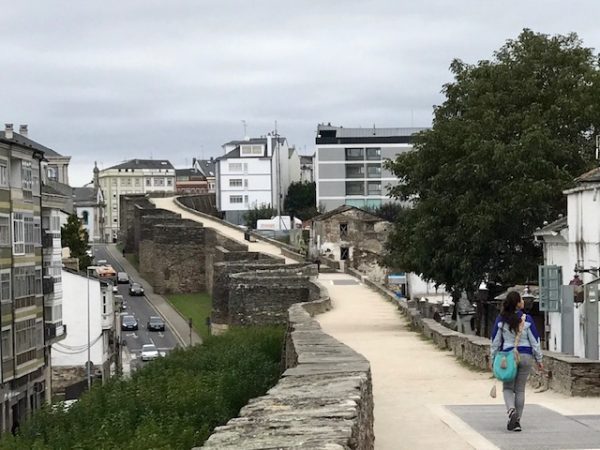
[[503, 338]]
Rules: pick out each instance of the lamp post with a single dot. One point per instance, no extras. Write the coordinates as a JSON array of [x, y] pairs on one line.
[[88, 363]]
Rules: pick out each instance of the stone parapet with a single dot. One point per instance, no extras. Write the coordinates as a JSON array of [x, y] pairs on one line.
[[324, 399]]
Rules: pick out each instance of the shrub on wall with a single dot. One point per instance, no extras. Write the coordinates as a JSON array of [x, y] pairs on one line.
[[173, 402]]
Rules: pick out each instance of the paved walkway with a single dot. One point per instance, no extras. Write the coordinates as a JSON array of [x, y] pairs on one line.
[[176, 323], [418, 389]]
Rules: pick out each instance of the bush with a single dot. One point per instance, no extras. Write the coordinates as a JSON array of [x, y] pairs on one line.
[[174, 402]]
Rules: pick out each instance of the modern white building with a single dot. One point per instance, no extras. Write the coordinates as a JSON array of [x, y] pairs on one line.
[[254, 173], [306, 168], [348, 164], [136, 176], [573, 244], [72, 351]]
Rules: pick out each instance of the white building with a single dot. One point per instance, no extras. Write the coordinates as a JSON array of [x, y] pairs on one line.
[[254, 173], [348, 164], [306, 168], [72, 351], [573, 243], [136, 176], [88, 203]]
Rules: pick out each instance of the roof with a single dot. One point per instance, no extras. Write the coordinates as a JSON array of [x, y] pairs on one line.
[[207, 166], [61, 188], [553, 228], [261, 140], [26, 142], [51, 191], [84, 195], [143, 164], [189, 173], [328, 134], [589, 177], [343, 209]]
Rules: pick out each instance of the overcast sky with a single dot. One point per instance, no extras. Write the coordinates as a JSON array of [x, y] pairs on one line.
[[113, 80]]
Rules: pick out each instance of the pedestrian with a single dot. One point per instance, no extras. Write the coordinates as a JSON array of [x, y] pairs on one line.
[[318, 263], [514, 325]]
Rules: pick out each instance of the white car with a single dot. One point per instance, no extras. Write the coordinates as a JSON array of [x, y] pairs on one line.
[[149, 352]]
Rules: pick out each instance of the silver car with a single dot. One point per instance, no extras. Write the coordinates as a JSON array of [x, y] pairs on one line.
[[149, 352]]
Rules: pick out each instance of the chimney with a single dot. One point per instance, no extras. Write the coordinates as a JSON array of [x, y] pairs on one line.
[[23, 130], [8, 130]]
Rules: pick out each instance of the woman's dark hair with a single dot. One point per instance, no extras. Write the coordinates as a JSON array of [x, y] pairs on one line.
[[509, 311]]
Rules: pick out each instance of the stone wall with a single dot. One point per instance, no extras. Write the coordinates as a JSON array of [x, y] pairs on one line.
[[566, 374], [63, 376], [205, 203], [127, 207], [324, 399]]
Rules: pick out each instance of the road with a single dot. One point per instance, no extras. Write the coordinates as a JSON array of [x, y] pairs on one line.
[[141, 308]]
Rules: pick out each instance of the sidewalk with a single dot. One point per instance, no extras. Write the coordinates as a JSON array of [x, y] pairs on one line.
[[417, 387], [424, 398], [177, 324]]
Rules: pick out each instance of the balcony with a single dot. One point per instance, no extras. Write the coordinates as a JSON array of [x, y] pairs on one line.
[[54, 333]]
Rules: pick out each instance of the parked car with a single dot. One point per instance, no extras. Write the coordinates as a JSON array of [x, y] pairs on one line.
[[122, 277], [156, 323], [136, 289], [149, 352], [129, 323]]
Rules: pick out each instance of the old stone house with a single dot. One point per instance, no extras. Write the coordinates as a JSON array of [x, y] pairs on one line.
[[348, 233]]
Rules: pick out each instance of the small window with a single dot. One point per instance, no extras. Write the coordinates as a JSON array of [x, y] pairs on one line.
[[4, 231], [343, 230], [148, 181], [236, 199], [355, 154], [373, 171], [84, 218], [374, 188], [235, 167], [355, 171], [3, 173], [355, 188], [344, 253], [169, 182], [245, 199], [235, 182], [374, 154]]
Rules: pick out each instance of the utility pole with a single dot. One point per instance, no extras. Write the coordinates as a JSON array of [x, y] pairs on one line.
[[278, 161], [89, 359]]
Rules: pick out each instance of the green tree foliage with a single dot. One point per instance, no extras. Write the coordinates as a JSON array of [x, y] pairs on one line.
[[301, 200], [512, 133], [258, 213], [75, 236], [389, 211], [174, 402]]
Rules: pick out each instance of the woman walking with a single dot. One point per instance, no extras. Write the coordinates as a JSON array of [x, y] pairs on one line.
[[514, 325]]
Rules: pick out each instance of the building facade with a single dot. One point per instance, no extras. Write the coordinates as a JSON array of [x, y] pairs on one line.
[[348, 164], [254, 173], [190, 181], [207, 168], [136, 176], [26, 323], [89, 205]]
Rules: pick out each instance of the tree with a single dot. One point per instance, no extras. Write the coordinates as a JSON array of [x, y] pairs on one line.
[[75, 236], [301, 200], [258, 213], [389, 211], [511, 135]]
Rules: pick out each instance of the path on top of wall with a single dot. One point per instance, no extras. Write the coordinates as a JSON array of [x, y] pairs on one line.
[[416, 387], [264, 247]]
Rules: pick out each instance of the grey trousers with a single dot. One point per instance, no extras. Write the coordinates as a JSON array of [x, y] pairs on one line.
[[514, 391]]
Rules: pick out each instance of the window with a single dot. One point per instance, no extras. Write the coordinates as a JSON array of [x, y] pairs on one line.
[[159, 182], [6, 344], [235, 182], [37, 232], [343, 230], [18, 234], [355, 188], [245, 199], [246, 183], [235, 167], [38, 281], [52, 173], [126, 181], [251, 150], [136, 182], [344, 253], [27, 180], [148, 181], [4, 231], [55, 224], [355, 171], [374, 154], [374, 188], [236, 199], [373, 171], [5, 286], [169, 182], [355, 154], [35, 178], [3, 173], [114, 181], [29, 239], [85, 217], [25, 335]]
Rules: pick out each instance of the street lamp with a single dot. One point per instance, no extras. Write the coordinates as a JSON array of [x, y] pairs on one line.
[[89, 358]]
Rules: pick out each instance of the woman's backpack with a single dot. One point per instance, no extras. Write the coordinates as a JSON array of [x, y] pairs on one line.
[[505, 363]]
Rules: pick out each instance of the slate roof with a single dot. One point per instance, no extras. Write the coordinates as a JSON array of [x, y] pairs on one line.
[[26, 142], [207, 166], [51, 191], [84, 195], [144, 164], [342, 209], [189, 173]]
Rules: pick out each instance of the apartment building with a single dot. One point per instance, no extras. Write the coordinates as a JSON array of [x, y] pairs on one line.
[[136, 176], [26, 322], [254, 173], [348, 164]]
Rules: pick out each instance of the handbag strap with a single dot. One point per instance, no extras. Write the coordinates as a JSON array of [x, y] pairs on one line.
[[521, 327]]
